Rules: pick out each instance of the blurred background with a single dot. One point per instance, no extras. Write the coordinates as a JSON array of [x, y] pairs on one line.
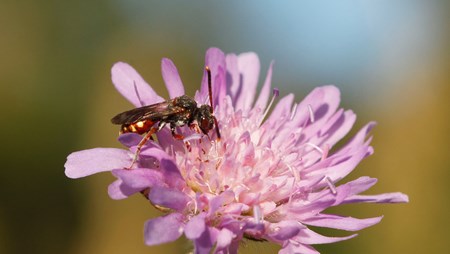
[[389, 58]]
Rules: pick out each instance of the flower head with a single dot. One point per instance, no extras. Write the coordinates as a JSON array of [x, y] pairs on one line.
[[269, 177]]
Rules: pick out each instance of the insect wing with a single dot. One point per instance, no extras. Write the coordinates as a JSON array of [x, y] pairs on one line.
[[154, 112]]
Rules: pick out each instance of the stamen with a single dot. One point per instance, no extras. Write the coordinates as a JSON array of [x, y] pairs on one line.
[[294, 111], [257, 215], [311, 113], [295, 173], [275, 94], [331, 185], [195, 205], [316, 148], [296, 243], [209, 188], [245, 186], [326, 149]]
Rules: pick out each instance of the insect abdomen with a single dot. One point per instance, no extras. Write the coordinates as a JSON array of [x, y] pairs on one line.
[[140, 127]]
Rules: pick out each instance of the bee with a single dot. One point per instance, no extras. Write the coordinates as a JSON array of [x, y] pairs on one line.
[[176, 112]]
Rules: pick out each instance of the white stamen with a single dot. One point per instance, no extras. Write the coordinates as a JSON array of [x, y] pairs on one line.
[[311, 113], [257, 215], [315, 147], [295, 173], [326, 149], [209, 188], [275, 93], [331, 185], [245, 186], [195, 205], [294, 111]]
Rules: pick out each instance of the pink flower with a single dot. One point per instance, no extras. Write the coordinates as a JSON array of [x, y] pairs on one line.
[[269, 177]]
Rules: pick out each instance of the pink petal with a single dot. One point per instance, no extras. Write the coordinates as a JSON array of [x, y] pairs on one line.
[[345, 164], [166, 141], [163, 229], [172, 78], [248, 65], [317, 202], [307, 236], [224, 238], [281, 110], [336, 128], [284, 230], [219, 201], [129, 139], [132, 86], [215, 60], [343, 223], [92, 161], [117, 191], [139, 178], [263, 98], [169, 198], [195, 227], [297, 248], [307, 210], [233, 80], [395, 197], [358, 140], [207, 241], [167, 167], [344, 191], [323, 101], [361, 184]]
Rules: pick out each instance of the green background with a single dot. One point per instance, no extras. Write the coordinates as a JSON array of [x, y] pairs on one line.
[[389, 58]]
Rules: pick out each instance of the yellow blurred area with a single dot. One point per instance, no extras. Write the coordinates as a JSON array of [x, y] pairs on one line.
[[391, 62]]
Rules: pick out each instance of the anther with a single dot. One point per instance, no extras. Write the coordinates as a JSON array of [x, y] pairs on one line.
[[326, 149], [275, 94], [331, 185], [294, 111], [316, 148], [311, 113], [257, 215]]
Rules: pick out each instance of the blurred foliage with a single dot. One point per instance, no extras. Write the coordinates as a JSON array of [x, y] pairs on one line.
[[391, 61]]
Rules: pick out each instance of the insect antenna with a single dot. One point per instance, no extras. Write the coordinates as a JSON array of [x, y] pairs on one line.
[[208, 71]]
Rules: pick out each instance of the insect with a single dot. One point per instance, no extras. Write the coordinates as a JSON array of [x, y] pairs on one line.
[[176, 112]]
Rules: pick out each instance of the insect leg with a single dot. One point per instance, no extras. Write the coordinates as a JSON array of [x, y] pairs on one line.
[[144, 140], [174, 134]]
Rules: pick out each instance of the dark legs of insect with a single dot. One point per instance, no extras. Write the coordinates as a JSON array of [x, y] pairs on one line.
[[144, 140], [148, 136], [174, 134]]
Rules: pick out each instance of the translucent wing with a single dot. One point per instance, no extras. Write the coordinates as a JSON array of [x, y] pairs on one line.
[[154, 112]]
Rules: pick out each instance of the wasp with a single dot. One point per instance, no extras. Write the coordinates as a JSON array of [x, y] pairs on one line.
[[176, 112]]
